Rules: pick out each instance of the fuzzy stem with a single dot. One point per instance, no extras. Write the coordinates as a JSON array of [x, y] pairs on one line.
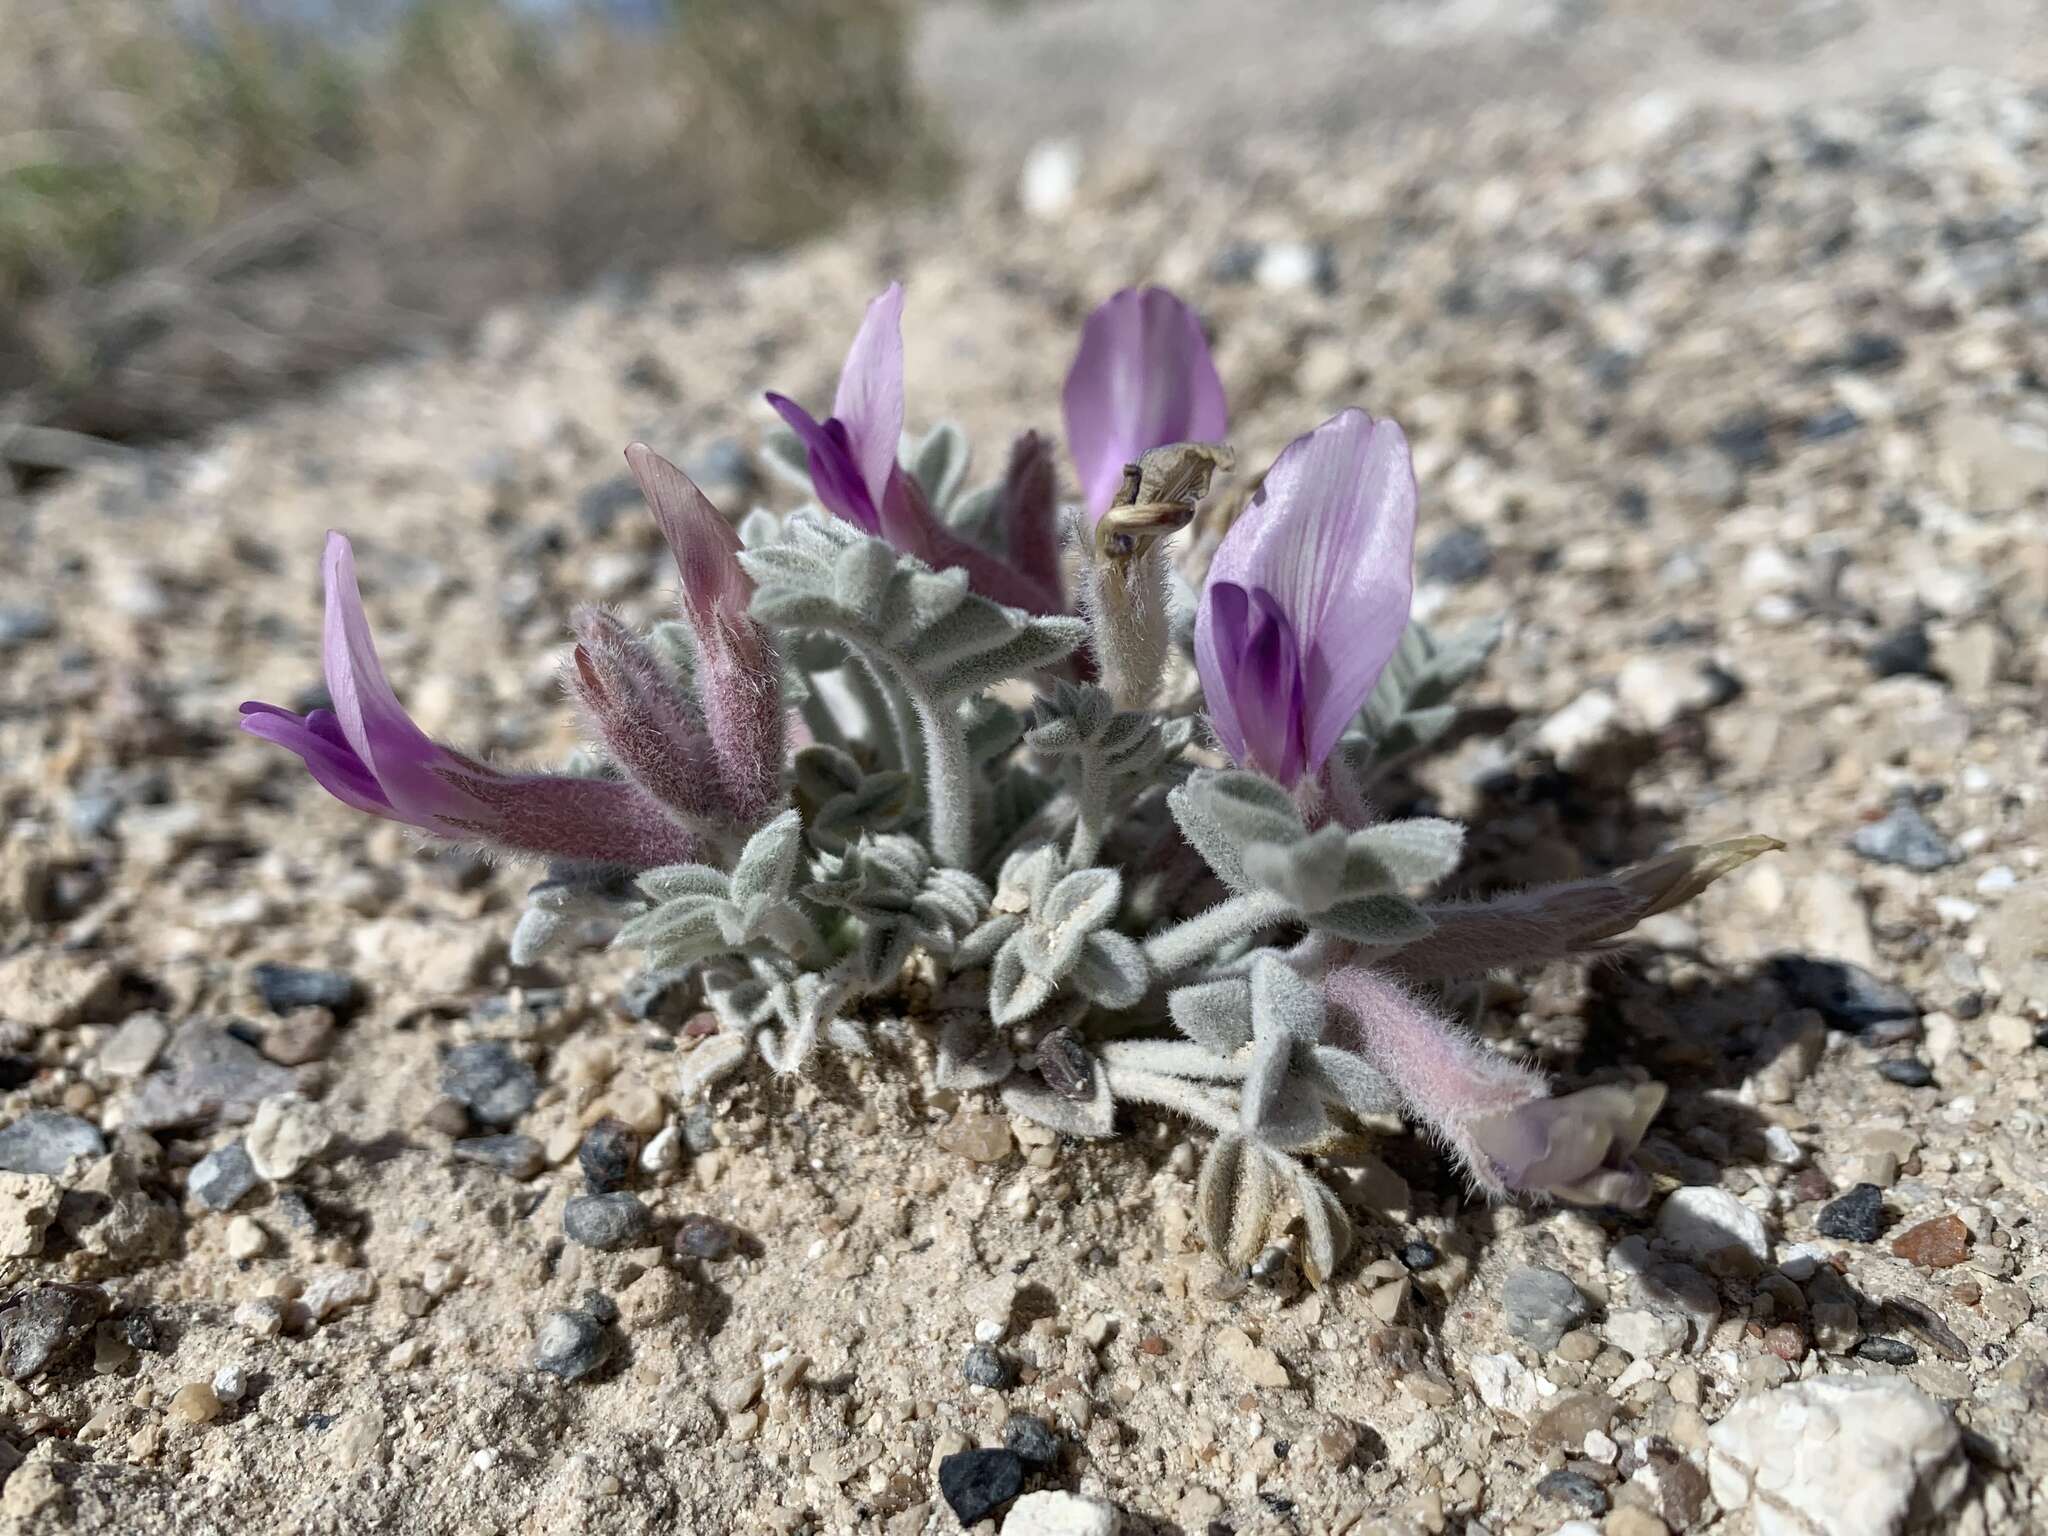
[[1091, 812], [949, 790], [1187, 942], [871, 684]]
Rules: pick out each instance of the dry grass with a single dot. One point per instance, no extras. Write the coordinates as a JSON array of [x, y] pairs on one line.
[[192, 220]]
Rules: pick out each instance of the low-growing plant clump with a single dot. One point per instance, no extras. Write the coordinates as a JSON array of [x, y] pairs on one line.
[[916, 755]]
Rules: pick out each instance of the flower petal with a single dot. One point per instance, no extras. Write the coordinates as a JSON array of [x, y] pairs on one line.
[[318, 741], [1141, 379], [835, 475], [706, 547], [870, 397], [397, 753], [1331, 535]]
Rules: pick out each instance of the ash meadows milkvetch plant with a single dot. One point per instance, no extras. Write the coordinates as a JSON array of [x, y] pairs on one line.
[[1152, 884]]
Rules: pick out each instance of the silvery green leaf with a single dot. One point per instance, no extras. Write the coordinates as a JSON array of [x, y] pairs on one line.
[[740, 1000], [1283, 1111], [993, 730], [924, 626], [1084, 900], [1420, 850], [1111, 970], [1223, 811], [1027, 877], [883, 802], [804, 1005], [1403, 712], [786, 457], [1383, 919], [761, 526], [1015, 797], [1014, 993], [1054, 738], [1307, 874], [1415, 731], [1285, 1004], [1214, 1014], [766, 865], [971, 1052], [671, 882], [882, 950], [861, 579], [1234, 1195], [1090, 1119], [978, 515], [980, 946], [849, 1036], [538, 931], [1035, 644], [1325, 1224], [1353, 1081], [1174, 1058], [950, 905], [676, 932], [672, 642], [940, 464], [820, 772]]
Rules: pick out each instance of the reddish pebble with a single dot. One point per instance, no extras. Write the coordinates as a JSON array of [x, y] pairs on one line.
[[1152, 1344], [1786, 1342], [1968, 1292], [1935, 1244]]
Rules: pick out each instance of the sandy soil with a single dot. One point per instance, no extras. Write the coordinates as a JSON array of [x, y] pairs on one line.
[[1724, 408]]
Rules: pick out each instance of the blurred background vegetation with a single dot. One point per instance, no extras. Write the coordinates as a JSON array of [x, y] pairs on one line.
[[204, 202]]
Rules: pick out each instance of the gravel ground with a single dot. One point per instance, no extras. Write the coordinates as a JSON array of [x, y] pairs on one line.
[[1740, 420]]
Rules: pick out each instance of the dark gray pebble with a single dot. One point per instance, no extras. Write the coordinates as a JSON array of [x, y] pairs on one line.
[[976, 1484], [605, 1221]]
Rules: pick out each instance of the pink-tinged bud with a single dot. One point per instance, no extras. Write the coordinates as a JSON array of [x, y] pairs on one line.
[[368, 754], [1030, 511], [706, 547], [738, 673], [1529, 927], [642, 719], [1307, 596], [1493, 1114]]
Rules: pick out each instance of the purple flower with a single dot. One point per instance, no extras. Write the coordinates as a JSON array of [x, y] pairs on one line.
[[1308, 595], [368, 754], [852, 458], [1495, 1115], [1577, 1147], [1142, 379]]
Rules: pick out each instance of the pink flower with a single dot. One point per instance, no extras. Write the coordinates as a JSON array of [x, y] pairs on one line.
[[1494, 1114], [1308, 595], [1142, 378], [368, 754], [852, 457]]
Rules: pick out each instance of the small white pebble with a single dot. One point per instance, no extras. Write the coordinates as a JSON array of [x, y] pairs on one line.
[[245, 1239], [989, 1331], [229, 1383], [664, 1152], [1997, 880], [1600, 1448], [1781, 1148], [484, 1459], [1956, 912], [440, 1276]]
